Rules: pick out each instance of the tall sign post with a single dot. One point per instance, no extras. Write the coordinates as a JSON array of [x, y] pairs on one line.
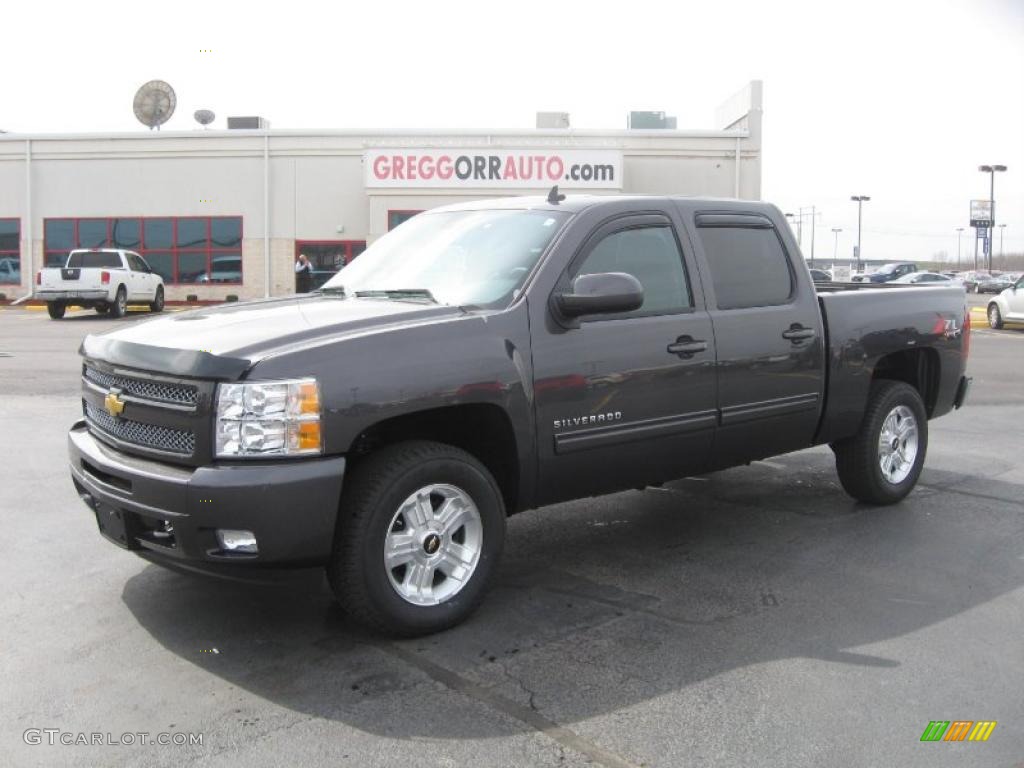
[[981, 221]]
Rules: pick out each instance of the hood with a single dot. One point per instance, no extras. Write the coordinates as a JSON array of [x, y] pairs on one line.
[[223, 342]]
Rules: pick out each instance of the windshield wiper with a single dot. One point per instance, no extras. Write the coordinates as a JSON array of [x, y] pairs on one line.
[[397, 293]]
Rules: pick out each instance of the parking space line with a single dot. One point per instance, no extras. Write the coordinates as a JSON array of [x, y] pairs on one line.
[[525, 715]]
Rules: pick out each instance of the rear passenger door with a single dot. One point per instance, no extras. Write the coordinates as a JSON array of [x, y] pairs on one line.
[[768, 336]]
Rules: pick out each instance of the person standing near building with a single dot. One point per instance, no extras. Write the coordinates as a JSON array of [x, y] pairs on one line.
[[303, 274]]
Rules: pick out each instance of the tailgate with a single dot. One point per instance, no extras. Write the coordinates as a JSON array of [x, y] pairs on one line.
[[71, 279]]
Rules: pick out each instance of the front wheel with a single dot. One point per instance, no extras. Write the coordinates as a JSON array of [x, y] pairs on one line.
[[56, 309], [995, 319], [421, 528], [157, 305], [882, 462]]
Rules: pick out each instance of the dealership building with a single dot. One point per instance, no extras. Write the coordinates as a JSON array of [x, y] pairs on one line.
[[220, 212]]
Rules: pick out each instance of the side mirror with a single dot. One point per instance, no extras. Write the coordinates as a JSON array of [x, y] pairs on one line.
[[601, 294]]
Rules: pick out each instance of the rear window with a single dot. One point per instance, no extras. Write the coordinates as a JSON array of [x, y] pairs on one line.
[[748, 267], [91, 259]]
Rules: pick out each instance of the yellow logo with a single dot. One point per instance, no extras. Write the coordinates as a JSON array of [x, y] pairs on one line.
[[113, 404]]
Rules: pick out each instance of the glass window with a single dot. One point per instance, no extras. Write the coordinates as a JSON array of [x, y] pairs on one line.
[[92, 233], [9, 235], [10, 268], [59, 234], [748, 267], [162, 262], [136, 263], [398, 217], [226, 268], [226, 232], [652, 256], [192, 233], [192, 268], [125, 233], [56, 258], [478, 258], [95, 259], [158, 233]]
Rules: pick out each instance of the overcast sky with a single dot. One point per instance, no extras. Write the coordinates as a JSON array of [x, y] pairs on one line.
[[900, 100]]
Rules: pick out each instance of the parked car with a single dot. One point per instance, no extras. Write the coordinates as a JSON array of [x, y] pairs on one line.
[[932, 278], [820, 276], [889, 272], [10, 270], [973, 277], [993, 284], [1008, 306], [491, 357], [104, 279], [227, 268]]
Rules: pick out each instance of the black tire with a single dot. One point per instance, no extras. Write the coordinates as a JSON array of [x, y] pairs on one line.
[[858, 457], [374, 492], [120, 306], [102, 309], [157, 305], [995, 318], [56, 309]]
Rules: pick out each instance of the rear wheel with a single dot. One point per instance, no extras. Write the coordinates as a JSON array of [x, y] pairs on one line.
[[120, 306], [157, 305], [882, 462], [56, 309], [995, 318], [421, 529]]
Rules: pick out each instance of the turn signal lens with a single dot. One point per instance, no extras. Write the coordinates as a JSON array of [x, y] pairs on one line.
[[308, 436], [105, 277], [309, 397]]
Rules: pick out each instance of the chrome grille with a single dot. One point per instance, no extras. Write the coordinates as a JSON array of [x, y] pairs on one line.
[[147, 389], [135, 432]]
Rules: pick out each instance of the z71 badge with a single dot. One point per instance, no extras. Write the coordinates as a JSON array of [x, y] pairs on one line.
[[579, 421]]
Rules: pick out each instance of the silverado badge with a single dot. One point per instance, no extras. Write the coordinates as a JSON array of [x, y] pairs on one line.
[[113, 403]]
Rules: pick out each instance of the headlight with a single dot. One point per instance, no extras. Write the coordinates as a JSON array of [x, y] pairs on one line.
[[268, 418]]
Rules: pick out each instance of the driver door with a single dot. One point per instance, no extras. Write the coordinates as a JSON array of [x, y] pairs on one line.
[[618, 401]]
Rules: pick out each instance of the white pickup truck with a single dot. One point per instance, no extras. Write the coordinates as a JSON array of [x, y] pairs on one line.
[[105, 279]]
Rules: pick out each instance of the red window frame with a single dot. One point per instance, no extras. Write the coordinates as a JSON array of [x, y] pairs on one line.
[[411, 211], [15, 253], [209, 250]]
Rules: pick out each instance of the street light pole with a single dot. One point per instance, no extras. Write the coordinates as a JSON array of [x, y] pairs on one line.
[[959, 232], [991, 170], [1002, 231], [860, 200], [835, 251]]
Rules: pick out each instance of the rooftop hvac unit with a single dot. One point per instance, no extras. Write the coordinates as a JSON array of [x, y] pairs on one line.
[[655, 120], [247, 123], [552, 119]]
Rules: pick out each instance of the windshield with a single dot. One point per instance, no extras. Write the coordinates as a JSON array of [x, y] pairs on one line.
[[478, 258]]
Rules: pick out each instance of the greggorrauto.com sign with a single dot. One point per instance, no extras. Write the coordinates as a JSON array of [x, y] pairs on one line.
[[493, 168]]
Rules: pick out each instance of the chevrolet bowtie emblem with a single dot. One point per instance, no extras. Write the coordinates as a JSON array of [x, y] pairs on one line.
[[113, 403]]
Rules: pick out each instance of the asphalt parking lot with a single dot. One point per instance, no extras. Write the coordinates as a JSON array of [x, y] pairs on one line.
[[753, 617]]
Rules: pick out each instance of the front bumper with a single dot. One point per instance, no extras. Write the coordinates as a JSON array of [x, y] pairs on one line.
[[70, 296], [291, 506]]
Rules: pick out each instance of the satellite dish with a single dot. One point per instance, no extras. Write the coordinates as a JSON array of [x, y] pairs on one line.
[[204, 116], [154, 103]]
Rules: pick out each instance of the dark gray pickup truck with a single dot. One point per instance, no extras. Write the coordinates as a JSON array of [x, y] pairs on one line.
[[487, 358]]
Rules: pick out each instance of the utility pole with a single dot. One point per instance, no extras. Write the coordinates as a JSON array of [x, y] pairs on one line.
[[959, 232], [991, 170], [859, 200], [1002, 231], [835, 251]]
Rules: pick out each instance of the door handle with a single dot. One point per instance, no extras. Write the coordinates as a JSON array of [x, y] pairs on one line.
[[687, 346], [797, 333]]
